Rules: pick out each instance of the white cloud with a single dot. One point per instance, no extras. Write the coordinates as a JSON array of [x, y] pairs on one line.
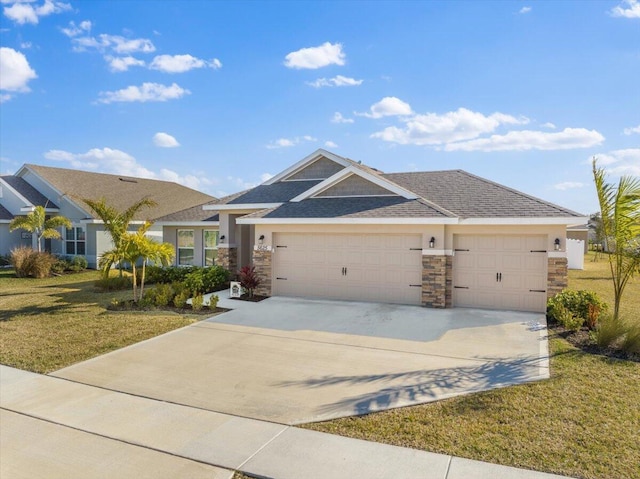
[[316, 57], [388, 106], [265, 177], [338, 118], [524, 10], [338, 80], [143, 93], [330, 144], [632, 130], [181, 63], [24, 12], [26, 45], [522, 140], [549, 125], [164, 140], [117, 162], [620, 162], [289, 142], [122, 64], [74, 30], [632, 9], [15, 72], [113, 43], [567, 185], [436, 129]]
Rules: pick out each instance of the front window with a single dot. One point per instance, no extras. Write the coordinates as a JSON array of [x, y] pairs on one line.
[[210, 242], [75, 241], [186, 247]]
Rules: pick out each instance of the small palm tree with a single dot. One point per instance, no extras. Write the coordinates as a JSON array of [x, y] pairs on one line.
[[620, 223], [36, 222], [117, 224]]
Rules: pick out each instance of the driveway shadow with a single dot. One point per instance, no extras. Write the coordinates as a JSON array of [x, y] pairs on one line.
[[421, 386]]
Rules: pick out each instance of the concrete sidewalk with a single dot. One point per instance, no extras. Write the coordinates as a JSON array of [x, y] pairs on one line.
[[54, 427]]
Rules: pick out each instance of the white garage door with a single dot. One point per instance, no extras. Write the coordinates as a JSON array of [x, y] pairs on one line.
[[500, 272], [358, 267]]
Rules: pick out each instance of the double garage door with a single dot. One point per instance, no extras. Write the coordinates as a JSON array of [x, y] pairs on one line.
[[500, 272], [358, 267]]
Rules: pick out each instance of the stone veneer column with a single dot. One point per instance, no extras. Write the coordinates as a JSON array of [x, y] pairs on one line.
[[228, 259], [557, 278], [436, 281], [262, 263]]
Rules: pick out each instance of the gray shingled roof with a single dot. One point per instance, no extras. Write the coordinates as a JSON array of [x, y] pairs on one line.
[[5, 214], [276, 193], [122, 191], [470, 196], [32, 195], [358, 207], [195, 213]]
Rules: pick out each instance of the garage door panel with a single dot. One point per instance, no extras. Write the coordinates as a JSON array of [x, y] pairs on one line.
[[501, 271], [378, 267]]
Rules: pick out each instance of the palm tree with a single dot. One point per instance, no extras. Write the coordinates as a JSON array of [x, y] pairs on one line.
[[139, 247], [36, 222], [117, 224], [620, 223]]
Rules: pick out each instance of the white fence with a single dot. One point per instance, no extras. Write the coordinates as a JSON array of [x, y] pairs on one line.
[[575, 253]]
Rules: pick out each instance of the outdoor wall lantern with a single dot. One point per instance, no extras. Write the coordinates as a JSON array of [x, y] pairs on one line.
[[556, 244], [432, 242], [261, 239], [222, 237]]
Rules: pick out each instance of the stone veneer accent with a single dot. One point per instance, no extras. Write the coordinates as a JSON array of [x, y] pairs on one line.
[[228, 259], [262, 263], [557, 279], [437, 280]]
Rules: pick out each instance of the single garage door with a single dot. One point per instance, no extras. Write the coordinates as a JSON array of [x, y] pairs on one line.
[[357, 267], [500, 272]]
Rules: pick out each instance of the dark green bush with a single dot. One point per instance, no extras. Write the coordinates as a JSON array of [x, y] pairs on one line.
[[206, 280], [60, 266], [197, 302], [78, 263], [170, 274], [180, 299], [582, 304]]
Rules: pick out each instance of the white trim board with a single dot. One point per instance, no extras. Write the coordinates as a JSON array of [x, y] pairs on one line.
[[348, 221]]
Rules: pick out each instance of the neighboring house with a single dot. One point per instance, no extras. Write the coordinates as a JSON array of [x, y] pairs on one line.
[[60, 190], [328, 227], [580, 232]]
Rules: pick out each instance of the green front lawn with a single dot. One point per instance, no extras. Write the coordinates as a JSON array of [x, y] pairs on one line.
[[47, 324], [583, 422]]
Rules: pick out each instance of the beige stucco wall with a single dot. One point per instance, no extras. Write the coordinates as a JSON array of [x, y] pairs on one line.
[[170, 235], [551, 231]]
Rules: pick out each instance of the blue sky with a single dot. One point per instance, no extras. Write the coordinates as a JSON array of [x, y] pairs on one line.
[[220, 95]]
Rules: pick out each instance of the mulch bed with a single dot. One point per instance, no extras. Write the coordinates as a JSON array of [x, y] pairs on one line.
[[131, 306], [256, 298], [582, 340]]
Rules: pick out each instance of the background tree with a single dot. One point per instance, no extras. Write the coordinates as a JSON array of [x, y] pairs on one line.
[[36, 222], [620, 223], [116, 223]]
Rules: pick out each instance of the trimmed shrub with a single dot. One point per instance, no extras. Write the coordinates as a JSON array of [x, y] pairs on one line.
[[28, 262], [163, 295], [78, 263], [206, 280], [180, 299], [213, 301], [60, 266], [170, 274], [197, 302], [581, 304], [567, 319]]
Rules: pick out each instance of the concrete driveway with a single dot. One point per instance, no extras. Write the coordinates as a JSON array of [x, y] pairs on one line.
[[292, 361]]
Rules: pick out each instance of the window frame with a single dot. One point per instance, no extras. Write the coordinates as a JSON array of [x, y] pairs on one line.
[[75, 240], [206, 248], [179, 248]]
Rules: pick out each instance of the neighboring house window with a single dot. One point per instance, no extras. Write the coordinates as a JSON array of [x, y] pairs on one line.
[[186, 247], [210, 242], [75, 241]]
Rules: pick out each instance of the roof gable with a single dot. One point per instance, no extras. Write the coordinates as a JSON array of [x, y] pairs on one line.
[[320, 163], [354, 185], [27, 192]]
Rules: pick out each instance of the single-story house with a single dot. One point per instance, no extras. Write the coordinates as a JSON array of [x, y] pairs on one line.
[[330, 227], [61, 190]]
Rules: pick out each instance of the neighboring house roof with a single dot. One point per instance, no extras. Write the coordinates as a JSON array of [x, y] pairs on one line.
[[5, 215], [356, 207], [275, 193], [470, 196], [121, 191], [193, 214], [32, 195]]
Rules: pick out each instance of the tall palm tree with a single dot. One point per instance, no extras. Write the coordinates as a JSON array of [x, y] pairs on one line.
[[117, 224], [36, 222], [620, 217]]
